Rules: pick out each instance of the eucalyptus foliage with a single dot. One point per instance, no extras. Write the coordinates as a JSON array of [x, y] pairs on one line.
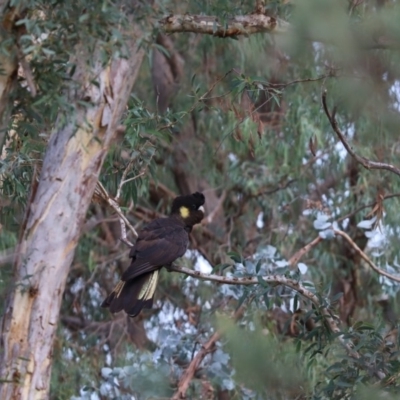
[[248, 118]]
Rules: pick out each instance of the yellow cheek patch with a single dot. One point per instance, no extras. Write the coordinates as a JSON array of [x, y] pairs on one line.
[[184, 211]]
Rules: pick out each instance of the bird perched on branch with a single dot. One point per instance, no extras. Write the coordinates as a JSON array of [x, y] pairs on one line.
[[159, 244]]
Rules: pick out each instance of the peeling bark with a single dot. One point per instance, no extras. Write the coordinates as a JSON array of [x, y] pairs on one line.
[[74, 156]]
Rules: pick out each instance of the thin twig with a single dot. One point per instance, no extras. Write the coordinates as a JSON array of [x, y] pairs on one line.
[[122, 181], [365, 162], [304, 80], [281, 186], [365, 257], [122, 219], [388, 196], [133, 178]]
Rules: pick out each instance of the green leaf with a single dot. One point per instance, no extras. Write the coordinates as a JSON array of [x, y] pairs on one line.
[[237, 258]]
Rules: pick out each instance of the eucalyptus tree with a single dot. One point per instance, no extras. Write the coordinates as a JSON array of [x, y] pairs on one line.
[[285, 115], [72, 86]]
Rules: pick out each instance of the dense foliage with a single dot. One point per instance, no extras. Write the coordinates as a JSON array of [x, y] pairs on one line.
[[242, 120]]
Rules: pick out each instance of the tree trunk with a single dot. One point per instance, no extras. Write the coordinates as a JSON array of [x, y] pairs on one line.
[[74, 156]]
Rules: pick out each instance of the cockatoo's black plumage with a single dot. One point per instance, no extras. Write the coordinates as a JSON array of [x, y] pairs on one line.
[[159, 243]]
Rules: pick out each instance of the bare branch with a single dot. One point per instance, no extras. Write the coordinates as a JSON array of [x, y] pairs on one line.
[[365, 257], [300, 253], [233, 26], [123, 180], [133, 178], [368, 164], [388, 196], [187, 376], [121, 183], [102, 192], [294, 82], [256, 22]]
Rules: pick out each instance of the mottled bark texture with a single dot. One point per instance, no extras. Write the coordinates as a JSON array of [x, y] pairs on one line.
[[72, 163], [234, 26]]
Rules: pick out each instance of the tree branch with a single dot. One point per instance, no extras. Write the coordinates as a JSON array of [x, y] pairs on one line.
[[365, 257], [388, 196], [102, 192], [271, 279], [231, 27], [256, 22], [188, 375], [297, 256], [277, 280], [368, 164]]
